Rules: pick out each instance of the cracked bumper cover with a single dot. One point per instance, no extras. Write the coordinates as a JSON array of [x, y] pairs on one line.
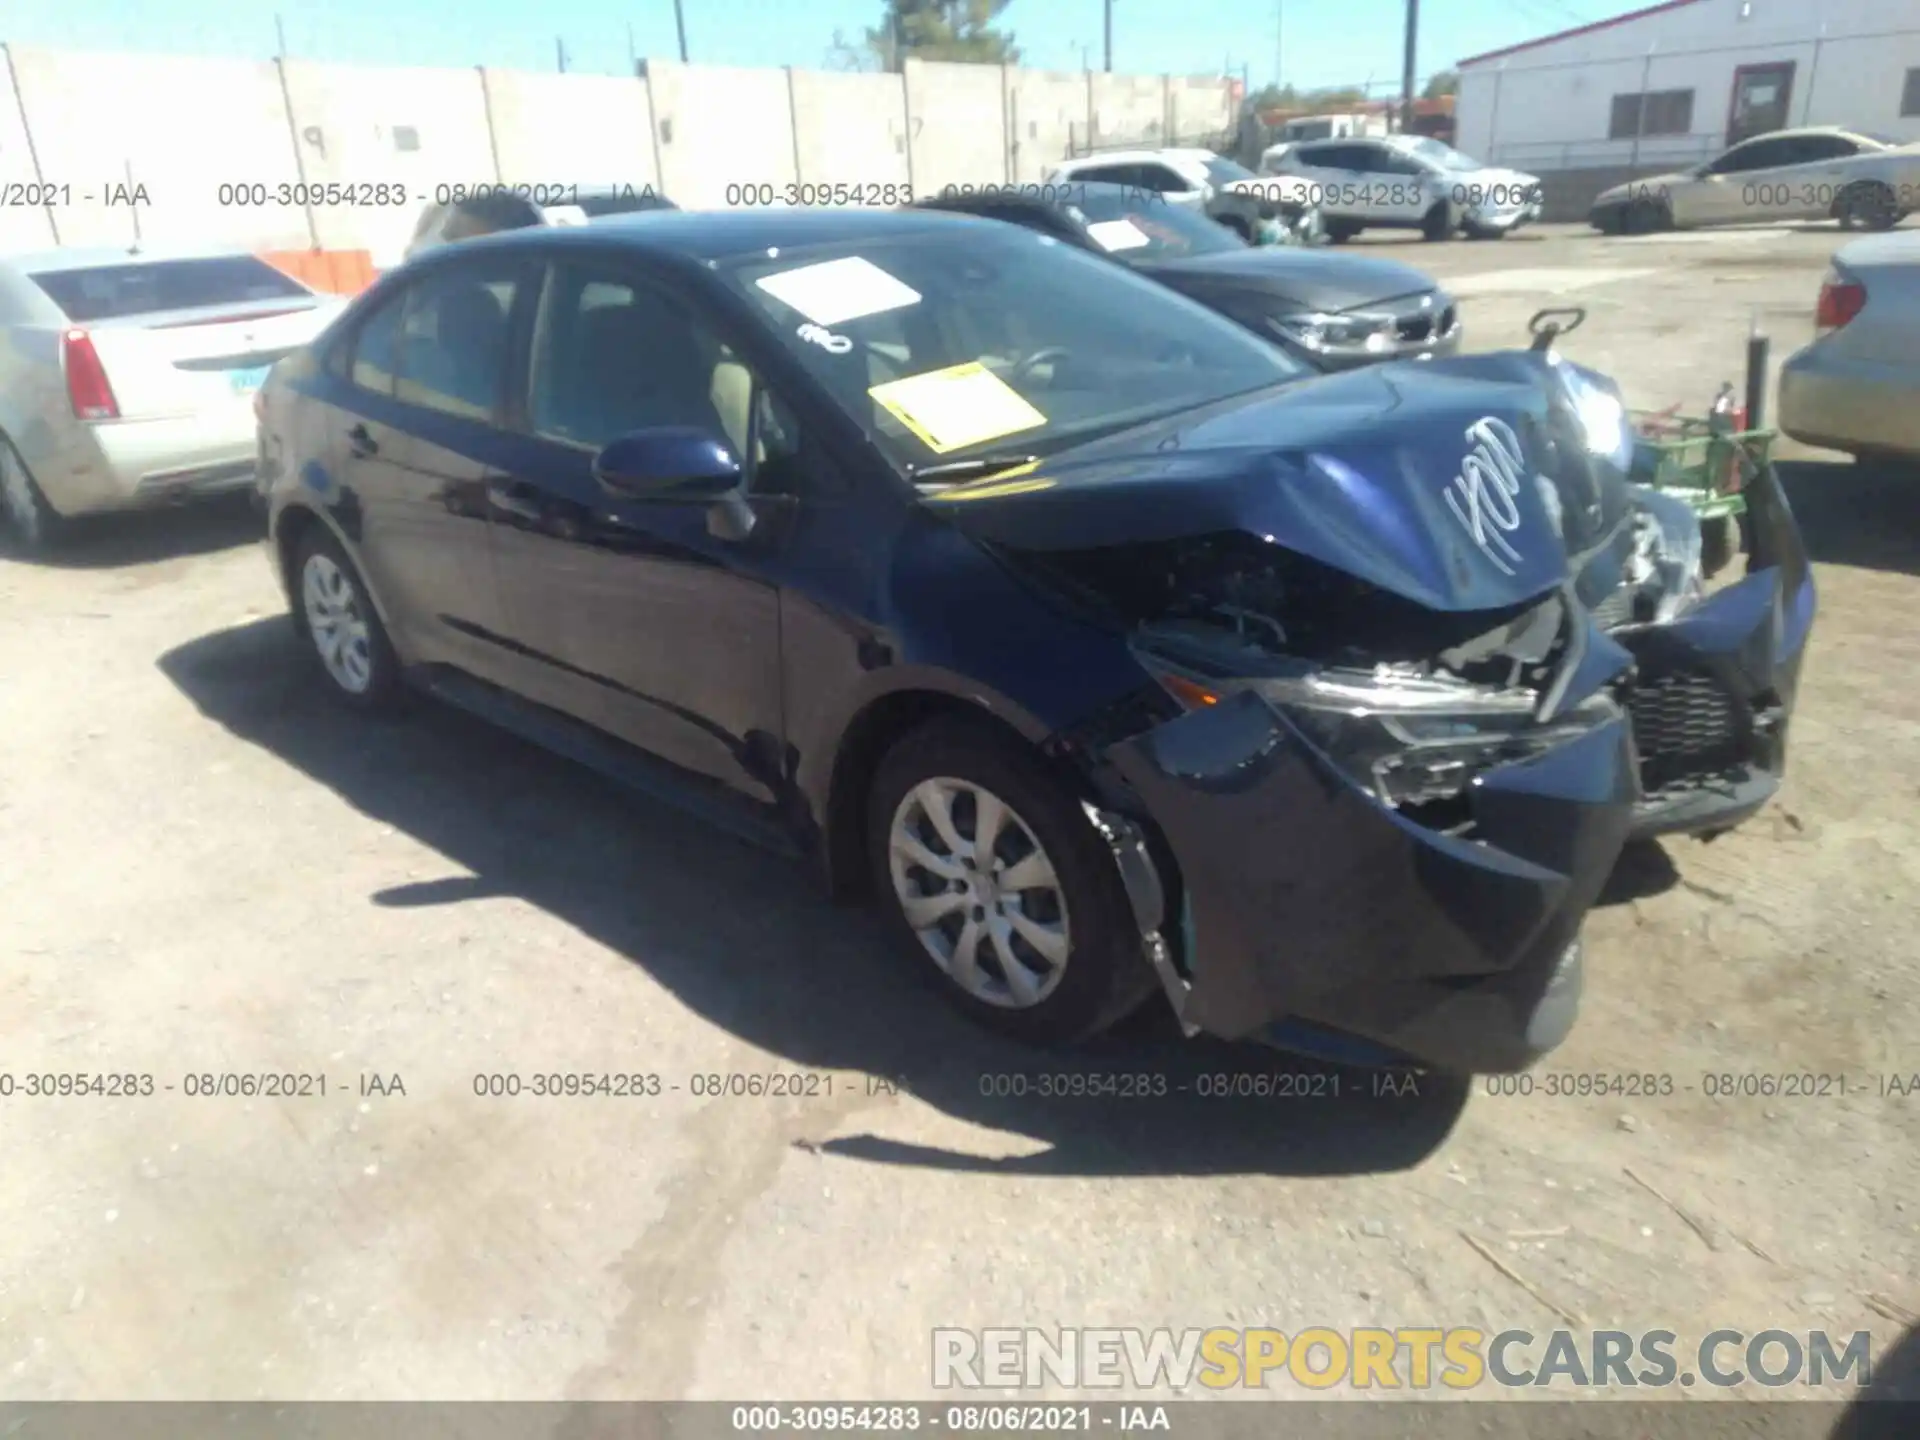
[[1740, 652], [1311, 904]]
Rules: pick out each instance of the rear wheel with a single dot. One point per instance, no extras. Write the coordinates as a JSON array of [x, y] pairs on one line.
[[991, 872], [30, 523], [1868, 205], [1341, 231], [345, 639]]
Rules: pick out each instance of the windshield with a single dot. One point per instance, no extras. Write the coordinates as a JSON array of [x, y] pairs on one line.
[[1443, 155], [1140, 225], [1225, 172], [987, 340], [114, 292]]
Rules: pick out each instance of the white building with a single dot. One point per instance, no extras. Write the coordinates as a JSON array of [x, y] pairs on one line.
[[1680, 81]]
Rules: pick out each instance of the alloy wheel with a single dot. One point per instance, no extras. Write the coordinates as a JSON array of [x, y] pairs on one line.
[[979, 891], [338, 623]]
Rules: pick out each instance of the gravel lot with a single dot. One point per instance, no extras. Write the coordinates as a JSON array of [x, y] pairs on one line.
[[207, 871]]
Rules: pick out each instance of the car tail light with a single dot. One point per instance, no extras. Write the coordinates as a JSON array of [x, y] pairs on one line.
[[87, 385], [1840, 300]]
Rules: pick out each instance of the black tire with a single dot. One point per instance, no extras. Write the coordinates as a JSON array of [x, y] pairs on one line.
[[1475, 232], [381, 691], [1339, 232], [1106, 974], [1646, 217], [1868, 205], [1437, 223], [1608, 222], [28, 522]]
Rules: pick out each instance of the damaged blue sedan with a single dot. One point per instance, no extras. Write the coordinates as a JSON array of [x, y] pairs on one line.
[[1107, 648]]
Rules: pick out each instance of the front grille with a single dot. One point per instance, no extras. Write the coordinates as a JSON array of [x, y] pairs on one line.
[[1687, 724]]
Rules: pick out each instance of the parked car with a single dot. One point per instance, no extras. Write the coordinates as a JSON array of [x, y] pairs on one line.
[[1102, 642], [472, 211], [1856, 387], [1332, 310], [1820, 172], [127, 376], [1258, 208], [1411, 182], [1332, 127]]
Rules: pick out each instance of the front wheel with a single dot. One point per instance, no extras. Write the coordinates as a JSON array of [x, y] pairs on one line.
[[28, 520], [1338, 232], [990, 871], [345, 639], [1437, 224]]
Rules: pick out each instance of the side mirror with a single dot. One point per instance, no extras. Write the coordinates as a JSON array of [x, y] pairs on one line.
[[668, 463]]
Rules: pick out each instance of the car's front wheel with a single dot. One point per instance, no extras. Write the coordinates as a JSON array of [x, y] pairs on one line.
[[345, 639], [1438, 223], [992, 872], [29, 522]]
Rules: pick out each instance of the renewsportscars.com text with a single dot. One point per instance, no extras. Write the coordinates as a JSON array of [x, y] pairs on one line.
[[1414, 1358]]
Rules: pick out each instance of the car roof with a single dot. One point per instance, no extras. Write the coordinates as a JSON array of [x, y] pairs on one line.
[[715, 235], [1036, 197], [93, 257], [1134, 157]]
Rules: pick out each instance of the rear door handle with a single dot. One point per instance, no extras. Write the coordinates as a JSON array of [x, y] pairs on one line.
[[361, 440]]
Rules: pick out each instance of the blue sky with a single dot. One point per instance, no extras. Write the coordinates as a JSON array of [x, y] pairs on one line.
[[1321, 42]]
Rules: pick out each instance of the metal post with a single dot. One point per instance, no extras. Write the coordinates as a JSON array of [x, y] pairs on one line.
[[1758, 346], [280, 34], [1109, 21], [1813, 74], [680, 24], [1640, 110], [560, 54], [1407, 64], [1279, 38]]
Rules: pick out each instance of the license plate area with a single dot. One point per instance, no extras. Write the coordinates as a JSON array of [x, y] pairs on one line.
[[248, 380]]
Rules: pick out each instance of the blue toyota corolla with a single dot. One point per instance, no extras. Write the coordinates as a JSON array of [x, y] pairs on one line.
[[1102, 645]]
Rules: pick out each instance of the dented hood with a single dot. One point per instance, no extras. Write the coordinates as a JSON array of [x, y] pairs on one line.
[[1463, 484]]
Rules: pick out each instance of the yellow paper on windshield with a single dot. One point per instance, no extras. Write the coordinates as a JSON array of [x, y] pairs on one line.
[[956, 407]]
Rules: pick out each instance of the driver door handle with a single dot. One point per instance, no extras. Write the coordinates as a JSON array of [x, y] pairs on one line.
[[360, 440]]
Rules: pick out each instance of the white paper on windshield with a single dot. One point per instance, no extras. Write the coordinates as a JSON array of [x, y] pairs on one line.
[[838, 290], [565, 215], [1118, 235]]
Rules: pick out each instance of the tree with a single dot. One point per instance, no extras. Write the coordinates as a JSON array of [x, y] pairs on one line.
[[842, 54], [1444, 82], [959, 30]]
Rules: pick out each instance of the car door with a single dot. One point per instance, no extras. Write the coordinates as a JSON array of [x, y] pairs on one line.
[[1729, 191], [419, 420], [1402, 187], [1336, 182], [636, 616], [1822, 169]]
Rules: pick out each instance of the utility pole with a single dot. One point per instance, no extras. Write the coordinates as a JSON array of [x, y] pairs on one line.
[[633, 54], [280, 32], [560, 54], [1109, 37], [680, 24], [1279, 27], [1406, 69]]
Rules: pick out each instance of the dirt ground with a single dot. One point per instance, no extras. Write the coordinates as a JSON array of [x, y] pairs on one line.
[[203, 871]]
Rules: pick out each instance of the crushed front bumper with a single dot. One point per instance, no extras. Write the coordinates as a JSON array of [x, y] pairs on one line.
[[1309, 904], [1714, 689]]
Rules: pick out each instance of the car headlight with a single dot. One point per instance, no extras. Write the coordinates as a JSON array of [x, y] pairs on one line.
[[1602, 413], [1352, 333], [1409, 740]]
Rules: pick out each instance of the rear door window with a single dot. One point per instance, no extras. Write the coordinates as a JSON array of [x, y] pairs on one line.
[[154, 287], [376, 347]]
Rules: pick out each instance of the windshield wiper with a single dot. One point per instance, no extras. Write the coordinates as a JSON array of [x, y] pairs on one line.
[[979, 466]]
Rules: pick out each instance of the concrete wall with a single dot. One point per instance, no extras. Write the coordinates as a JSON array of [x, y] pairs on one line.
[[721, 126], [706, 136], [956, 125], [1549, 106], [410, 128], [180, 127], [852, 130], [22, 227], [1047, 111], [558, 130]]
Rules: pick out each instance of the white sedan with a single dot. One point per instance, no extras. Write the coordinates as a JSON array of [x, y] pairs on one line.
[[127, 377], [1411, 182]]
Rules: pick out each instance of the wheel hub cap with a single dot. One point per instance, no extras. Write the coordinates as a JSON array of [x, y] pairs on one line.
[[980, 892], [338, 627]]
